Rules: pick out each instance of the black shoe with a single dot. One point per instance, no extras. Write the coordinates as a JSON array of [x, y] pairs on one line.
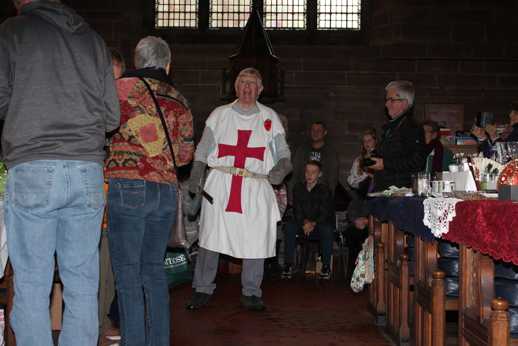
[[287, 273], [252, 303], [198, 301], [325, 273]]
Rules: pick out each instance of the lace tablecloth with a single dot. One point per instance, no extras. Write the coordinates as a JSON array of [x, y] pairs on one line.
[[438, 212]]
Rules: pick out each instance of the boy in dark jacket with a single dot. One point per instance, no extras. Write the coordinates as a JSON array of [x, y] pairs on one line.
[[313, 218]]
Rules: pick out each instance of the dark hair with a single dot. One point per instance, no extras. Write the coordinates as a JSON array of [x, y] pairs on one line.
[[321, 123], [117, 56], [314, 163], [514, 106], [433, 124], [369, 132]]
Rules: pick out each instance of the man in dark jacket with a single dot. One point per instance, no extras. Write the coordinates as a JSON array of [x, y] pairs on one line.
[[513, 120], [401, 151], [58, 99], [318, 149]]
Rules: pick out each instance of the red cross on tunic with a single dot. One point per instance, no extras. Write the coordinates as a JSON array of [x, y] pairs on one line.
[[241, 152]]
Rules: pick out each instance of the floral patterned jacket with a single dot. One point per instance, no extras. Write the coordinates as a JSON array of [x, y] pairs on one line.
[[139, 150]]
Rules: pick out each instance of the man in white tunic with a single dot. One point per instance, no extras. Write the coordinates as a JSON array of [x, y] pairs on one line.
[[245, 147]]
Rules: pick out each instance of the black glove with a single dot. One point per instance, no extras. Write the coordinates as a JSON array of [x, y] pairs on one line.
[[279, 171], [191, 205]]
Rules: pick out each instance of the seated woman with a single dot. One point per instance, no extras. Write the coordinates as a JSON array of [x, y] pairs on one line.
[[360, 179], [313, 219], [439, 157], [487, 138]]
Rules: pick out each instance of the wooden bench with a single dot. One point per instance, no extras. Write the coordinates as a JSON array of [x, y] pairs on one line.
[[483, 319], [377, 290], [398, 283], [431, 302]]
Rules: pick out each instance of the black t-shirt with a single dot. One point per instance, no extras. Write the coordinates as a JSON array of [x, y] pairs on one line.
[[315, 155]]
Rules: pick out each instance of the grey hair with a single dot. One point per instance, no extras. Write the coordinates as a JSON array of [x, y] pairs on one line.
[[250, 71], [404, 89], [152, 51]]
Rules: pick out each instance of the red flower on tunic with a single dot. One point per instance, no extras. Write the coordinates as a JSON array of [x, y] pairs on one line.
[[268, 124]]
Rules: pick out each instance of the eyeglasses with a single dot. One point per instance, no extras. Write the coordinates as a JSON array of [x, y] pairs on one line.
[[394, 99]]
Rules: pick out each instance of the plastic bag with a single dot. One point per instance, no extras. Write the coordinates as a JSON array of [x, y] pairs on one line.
[[178, 267], [364, 271]]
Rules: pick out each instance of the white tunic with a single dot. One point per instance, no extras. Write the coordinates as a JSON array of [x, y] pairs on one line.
[[251, 233]]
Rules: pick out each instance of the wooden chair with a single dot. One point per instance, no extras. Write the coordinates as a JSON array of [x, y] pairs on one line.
[[377, 290], [483, 320], [431, 302], [341, 263]]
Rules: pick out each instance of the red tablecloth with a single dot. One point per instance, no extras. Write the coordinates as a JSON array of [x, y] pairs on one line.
[[488, 226]]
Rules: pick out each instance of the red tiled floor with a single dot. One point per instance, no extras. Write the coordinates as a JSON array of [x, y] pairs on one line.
[[299, 312]]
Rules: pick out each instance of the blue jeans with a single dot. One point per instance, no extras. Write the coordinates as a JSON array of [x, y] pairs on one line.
[[55, 206], [140, 217], [322, 232]]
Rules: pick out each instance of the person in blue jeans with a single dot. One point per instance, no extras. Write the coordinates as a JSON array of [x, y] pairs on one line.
[[57, 101], [313, 218], [142, 195]]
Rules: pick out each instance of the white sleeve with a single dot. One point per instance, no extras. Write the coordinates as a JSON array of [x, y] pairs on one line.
[[354, 179]]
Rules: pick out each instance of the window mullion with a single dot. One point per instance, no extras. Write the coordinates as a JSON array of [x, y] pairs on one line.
[[311, 15], [203, 12]]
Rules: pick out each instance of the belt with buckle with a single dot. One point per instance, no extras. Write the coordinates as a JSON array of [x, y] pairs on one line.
[[240, 172]]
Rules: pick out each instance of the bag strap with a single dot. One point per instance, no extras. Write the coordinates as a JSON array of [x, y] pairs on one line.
[[162, 119]]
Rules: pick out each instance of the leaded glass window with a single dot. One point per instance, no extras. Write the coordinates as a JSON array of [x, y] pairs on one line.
[[285, 14], [229, 13], [338, 14], [176, 13]]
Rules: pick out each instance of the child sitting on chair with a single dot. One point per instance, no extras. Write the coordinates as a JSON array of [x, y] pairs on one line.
[[313, 219]]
